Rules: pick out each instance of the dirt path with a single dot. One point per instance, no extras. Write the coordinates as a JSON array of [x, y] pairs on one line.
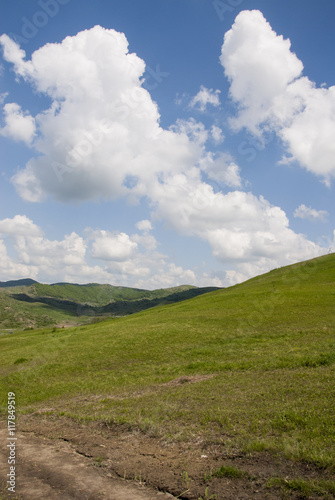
[[51, 470]]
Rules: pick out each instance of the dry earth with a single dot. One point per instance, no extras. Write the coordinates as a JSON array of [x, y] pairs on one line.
[[58, 458], [54, 470]]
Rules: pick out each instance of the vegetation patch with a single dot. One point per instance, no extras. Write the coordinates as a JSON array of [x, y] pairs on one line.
[[227, 471], [20, 360], [306, 488]]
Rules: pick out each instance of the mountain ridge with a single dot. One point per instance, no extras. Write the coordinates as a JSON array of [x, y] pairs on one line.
[[19, 282]]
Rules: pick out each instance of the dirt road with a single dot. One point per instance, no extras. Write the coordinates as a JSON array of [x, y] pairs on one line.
[[51, 470]]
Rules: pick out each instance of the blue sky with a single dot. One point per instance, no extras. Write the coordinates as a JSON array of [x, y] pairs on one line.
[[152, 144]]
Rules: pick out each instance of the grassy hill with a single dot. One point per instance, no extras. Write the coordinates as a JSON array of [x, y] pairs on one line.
[[23, 282], [28, 304], [250, 367], [96, 295]]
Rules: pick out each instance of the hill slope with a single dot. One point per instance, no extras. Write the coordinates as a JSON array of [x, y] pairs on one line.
[[249, 368], [25, 303]]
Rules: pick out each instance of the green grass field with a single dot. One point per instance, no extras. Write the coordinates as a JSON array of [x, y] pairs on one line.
[[268, 346]]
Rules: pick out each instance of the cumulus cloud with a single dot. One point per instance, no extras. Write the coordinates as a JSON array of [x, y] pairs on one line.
[[270, 94], [195, 131], [309, 136], [222, 169], [13, 53], [20, 225], [117, 247], [173, 273], [144, 225], [51, 255], [11, 269], [102, 127], [217, 134], [36, 254], [147, 240], [3, 95], [259, 66], [204, 97], [101, 138], [98, 256], [243, 230], [19, 126], [309, 213]]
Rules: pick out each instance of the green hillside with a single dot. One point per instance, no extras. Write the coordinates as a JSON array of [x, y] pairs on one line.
[[28, 304], [97, 295], [257, 361], [23, 282]]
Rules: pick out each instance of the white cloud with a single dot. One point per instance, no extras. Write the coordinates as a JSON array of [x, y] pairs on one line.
[[19, 126], [194, 130], [51, 256], [309, 213], [242, 230], [204, 97], [4, 95], [217, 135], [259, 66], [122, 259], [222, 169], [101, 138], [144, 225], [19, 225], [146, 240], [38, 256], [14, 54], [169, 276], [102, 127], [117, 247], [309, 136], [267, 86], [9, 269]]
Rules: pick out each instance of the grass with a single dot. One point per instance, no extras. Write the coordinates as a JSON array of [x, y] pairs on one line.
[[207, 497], [306, 488], [98, 461], [269, 345], [5, 494], [226, 471]]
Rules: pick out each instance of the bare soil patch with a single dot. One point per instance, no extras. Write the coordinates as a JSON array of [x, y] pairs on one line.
[[60, 458], [53, 469]]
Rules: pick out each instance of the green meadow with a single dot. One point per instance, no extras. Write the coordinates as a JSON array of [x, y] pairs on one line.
[[250, 367]]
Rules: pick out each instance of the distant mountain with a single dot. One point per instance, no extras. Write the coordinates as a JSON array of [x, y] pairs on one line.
[[62, 283], [23, 282]]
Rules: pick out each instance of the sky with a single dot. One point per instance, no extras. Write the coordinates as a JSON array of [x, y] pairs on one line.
[[157, 143]]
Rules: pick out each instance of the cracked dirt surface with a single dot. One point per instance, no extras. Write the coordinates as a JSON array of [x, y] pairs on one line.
[[58, 458], [53, 470]]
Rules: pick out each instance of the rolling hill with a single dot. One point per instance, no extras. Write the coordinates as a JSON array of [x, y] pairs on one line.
[[14, 283], [29, 304], [248, 369]]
